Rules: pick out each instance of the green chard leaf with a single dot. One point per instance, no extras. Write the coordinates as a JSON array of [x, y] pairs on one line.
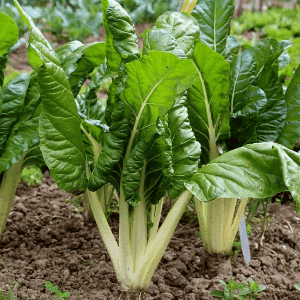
[[257, 171], [151, 87], [162, 40], [121, 39], [267, 52], [183, 27], [244, 121], [112, 149], [185, 150], [9, 33], [23, 107], [22, 137], [208, 100], [232, 48], [273, 117], [265, 120], [291, 130], [14, 93], [214, 18], [243, 69], [60, 133], [133, 171], [81, 62], [66, 49]]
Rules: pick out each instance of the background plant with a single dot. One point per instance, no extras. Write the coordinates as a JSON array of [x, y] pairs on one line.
[[239, 290], [55, 289], [280, 23], [19, 117], [32, 175]]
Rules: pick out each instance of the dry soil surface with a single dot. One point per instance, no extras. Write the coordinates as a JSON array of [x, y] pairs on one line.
[[46, 239]]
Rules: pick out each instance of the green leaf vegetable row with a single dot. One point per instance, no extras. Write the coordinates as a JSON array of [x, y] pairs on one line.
[[193, 116]]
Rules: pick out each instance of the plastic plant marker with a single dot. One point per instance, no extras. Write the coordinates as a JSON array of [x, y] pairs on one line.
[[244, 241], [187, 5]]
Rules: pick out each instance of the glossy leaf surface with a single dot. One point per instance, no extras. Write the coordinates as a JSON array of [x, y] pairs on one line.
[[14, 93], [162, 40], [257, 171], [183, 27], [112, 149], [291, 130], [208, 99], [151, 87], [214, 18], [78, 64], [60, 134], [9, 33], [243, 69]]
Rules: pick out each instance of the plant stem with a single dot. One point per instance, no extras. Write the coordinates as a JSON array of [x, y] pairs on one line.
[[105, 232], [148, 263], [88, 213], [218, 224], [8, 188]]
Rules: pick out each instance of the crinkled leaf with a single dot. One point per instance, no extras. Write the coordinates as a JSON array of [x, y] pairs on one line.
[[81, 62], [34, 156], [132, 173], [162, 40], [3, 62], [291, 130], [60, 133], [232, 48], [92, 112], [112, 149], [152, 84], [9, 33], [14, 93], [283, 60], [100, 75], [214, 18], [257, 171], [112, 56], [113, 93], [68, 48], [243, 69], [21, 139], [243, 122], [267, 52], [32, 99], [183, 27], [121, 38], [185, 150], [273, 117], [173, 157], [208, 99]]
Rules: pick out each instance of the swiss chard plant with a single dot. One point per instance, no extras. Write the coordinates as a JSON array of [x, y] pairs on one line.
[[236, 99], [164, 105], [19, 121]]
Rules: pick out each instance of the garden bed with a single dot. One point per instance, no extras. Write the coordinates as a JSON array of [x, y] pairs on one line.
[[46, 239]]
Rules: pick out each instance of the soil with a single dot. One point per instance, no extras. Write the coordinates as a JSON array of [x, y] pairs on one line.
[[47, 239]]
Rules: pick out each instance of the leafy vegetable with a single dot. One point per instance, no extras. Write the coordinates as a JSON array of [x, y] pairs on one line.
[[230, 106], [214, 20], [19, 117], [163, 106]]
